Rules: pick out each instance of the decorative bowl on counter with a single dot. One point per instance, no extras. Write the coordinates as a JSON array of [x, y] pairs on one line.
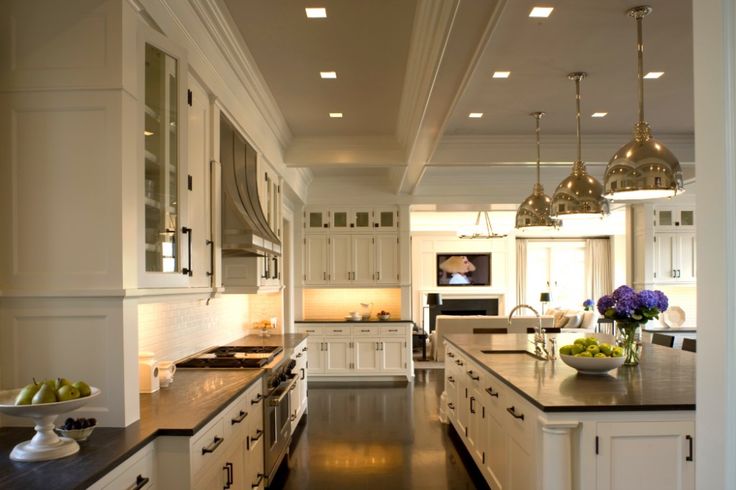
[[45, 445], [78, 435], [384, 317], [593, 365]]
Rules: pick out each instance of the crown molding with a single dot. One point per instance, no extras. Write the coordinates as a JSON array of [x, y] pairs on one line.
[[515, 148], [221, 27]]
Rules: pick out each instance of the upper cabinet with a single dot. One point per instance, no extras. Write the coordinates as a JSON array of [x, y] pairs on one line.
[[351, 219], [166, 233], [671, 218]]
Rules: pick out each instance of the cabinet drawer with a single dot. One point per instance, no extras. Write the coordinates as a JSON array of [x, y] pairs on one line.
[[366, 331], [395, 331], [336, 330], [310, 330], [138, 471], [207, 447], [235, 418], [519, 420]]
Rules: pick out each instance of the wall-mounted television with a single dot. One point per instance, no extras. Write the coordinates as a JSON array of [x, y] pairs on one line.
[[461, 269]]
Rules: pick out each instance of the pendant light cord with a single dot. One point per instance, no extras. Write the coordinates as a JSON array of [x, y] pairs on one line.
[[640, 65], [577, 116], [537, 116]]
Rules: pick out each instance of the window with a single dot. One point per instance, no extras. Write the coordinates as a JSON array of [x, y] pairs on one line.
[[557, 267]]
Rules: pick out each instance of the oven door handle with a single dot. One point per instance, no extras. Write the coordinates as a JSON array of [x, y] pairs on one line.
[[276, 400]]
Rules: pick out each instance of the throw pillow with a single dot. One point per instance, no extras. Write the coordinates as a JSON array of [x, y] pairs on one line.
[[573, 318], [589, 319], [560, 319]]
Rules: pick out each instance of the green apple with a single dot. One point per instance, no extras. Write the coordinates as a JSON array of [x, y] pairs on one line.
[[617, 352], [83, 388], [26, 394], [593, 349], [606, 349], [581, 341], [577, 349], [566, 350], [591, 341], [66, 393], [584, 354], [600, 355], [44, 395]]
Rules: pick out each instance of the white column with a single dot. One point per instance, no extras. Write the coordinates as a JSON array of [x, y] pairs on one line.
[[714, 37], [557, 455]]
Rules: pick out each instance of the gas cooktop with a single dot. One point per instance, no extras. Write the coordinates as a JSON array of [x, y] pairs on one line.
[[228, 356]]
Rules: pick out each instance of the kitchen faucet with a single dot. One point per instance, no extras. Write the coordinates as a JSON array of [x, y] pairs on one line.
[[540, 338]]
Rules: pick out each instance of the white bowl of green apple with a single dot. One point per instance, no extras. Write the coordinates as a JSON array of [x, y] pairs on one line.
[[589, 356]]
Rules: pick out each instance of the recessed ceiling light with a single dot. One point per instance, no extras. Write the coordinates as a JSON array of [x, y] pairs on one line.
[[316, 12], [599, 114], [541, 12], [475, 115], [654, 74], [501, 74], [336, 115], [328, 74]]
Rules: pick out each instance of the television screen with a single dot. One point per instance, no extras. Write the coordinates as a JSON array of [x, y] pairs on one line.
[[464, 269]]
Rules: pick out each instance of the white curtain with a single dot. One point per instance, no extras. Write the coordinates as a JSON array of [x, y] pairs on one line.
[[520, 271], [598, 277]]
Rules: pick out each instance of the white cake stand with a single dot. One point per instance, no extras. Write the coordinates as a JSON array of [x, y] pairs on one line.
[[45, 445]]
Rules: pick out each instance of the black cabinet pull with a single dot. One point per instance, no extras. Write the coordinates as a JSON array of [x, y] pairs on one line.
[[690, 447], [258, 435], [187, 271], [513, 413], [140, 482], [239, 418], [451, 406], [303, 373], [229, 472], [472, 407], [299, 355], [211, 244], [256, 399], [472, 375], [212, 447], [450, 379], [258, 481], [450, 354], [304, 349], [459, 362], [490, 391], [275, 267]]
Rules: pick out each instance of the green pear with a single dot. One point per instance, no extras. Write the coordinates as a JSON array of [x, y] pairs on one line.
[[59, 382], [26, 394], [83, 388], [66, 393], [44, 395]]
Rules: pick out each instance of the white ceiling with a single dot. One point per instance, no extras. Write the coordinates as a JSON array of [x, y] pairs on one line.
[[400, 116], [365, 42]]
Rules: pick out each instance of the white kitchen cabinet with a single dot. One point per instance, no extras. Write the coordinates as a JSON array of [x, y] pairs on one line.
[[138, 471], [387, 259], [253, 444], [645, 455], [316, 256], [341, 350], [317, 220], [674, 257], [386, 219], [351, 260], [298, 396], [671, 218]]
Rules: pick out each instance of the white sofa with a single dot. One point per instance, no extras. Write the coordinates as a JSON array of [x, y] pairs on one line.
[[449, 324]]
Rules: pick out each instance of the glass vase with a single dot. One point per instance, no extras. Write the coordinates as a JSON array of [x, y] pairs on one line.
[[628, 338]]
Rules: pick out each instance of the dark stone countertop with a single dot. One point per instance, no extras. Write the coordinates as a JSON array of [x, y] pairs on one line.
[[664, 379], [372, 320], [195, 397]]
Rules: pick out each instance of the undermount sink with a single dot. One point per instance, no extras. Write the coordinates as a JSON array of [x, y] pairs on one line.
[[520, 351]]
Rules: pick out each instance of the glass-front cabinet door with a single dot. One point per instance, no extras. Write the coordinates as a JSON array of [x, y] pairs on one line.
[[161, 161]]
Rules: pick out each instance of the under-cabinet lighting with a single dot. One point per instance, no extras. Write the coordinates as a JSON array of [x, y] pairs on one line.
[[652, 75], [599, 114], [328, 74], [316, 12], [475, 115], [336, 115], [501, 74]]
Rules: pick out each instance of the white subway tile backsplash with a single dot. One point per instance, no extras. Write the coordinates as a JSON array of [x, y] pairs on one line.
[[177, 329]]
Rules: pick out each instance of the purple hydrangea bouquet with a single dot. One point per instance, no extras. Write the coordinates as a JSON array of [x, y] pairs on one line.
[[630, 309]]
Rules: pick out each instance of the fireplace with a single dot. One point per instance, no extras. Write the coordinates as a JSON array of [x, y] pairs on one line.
[[463, 307]]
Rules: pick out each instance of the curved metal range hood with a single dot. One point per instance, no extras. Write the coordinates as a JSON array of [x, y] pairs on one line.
[[245, 229]]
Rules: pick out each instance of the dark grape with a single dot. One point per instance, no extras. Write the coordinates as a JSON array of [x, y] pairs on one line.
[[92, 422], [69, 421]]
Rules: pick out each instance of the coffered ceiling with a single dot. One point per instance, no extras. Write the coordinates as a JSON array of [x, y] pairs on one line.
[[410, 71]]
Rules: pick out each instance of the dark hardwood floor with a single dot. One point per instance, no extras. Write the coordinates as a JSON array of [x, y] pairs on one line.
[[377, 437]]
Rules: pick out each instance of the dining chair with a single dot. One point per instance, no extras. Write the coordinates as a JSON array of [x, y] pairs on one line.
[[688, 344], [661, 339]]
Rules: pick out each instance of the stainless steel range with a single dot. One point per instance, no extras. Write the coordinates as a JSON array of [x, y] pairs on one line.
[[278, 381]]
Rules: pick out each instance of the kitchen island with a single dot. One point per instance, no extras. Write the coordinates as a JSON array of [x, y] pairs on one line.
[[532, 424]]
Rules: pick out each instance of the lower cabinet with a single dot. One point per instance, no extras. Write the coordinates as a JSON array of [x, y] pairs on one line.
[[138, 471], [298, 395], [511, 440], [338, 350]]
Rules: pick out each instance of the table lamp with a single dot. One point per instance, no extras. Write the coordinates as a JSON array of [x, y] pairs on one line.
[[544, 299]]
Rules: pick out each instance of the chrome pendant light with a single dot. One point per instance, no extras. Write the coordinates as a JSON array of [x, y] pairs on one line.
[[643, 168], [534, 211], [580, 195]]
